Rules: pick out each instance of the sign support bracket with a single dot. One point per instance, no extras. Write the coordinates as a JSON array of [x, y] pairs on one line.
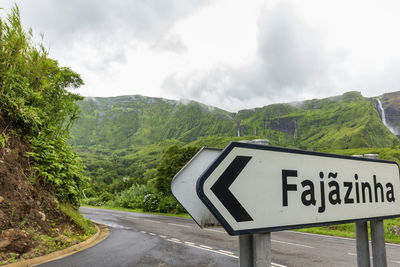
[[362, 244]]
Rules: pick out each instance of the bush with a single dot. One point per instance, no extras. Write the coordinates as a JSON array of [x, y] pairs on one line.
[[151, 202], [169, 204], [163, 204], [173, 160], [132, 198], [105, 197]]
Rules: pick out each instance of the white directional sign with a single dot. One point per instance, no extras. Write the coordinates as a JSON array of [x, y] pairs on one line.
[[253, 188], [183, 186]]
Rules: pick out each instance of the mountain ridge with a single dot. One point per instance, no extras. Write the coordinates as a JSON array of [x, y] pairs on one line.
[[122, 140], [334, 122]]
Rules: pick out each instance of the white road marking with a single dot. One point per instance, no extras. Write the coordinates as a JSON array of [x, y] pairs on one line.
[[210, 249], [218, 231], [152, 234], [151, 221], [227, 252], [143, 232], [324, 236], [215, 251], [181, 225], [354, 254], [293, 244], [175, 241], [162, 236]]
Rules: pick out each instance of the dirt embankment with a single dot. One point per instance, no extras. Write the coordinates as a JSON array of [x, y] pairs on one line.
[[29, 212]]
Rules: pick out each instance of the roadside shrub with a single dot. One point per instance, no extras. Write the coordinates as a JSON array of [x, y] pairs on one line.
[[105, 197], [133, 197], [163, 204], [169, 204], [151, 202]]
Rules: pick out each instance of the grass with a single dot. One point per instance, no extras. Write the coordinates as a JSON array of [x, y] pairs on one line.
[[86, 225], [182, 215], [348, 230]]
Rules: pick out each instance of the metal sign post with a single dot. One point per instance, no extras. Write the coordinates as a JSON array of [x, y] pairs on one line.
[[377, 236], [362, 243]]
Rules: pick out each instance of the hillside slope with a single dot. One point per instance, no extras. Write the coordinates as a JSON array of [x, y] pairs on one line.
[[346, 121], [40, 176], [29, 210], [122, 139], [131, 121]]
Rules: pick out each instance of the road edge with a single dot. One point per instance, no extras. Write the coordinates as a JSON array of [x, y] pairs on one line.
[[101, 234]]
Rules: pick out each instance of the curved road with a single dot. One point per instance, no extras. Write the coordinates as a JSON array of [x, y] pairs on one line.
[[152, 240]]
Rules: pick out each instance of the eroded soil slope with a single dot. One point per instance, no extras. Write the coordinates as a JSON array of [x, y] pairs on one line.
[[31, 222]]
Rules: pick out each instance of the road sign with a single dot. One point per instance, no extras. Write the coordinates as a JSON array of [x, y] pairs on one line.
[[254, 188], [183, 186]]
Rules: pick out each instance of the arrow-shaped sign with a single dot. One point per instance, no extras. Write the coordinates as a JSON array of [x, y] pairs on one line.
[[222, 192], [254, 188]]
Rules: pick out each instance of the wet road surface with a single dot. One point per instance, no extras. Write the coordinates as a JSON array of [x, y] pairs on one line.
[[153, 240]]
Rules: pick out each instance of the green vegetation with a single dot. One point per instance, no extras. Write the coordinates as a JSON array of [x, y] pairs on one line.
[[153, 194], [39, 167], [125, 140], [86, 225], [37, 106], [134, 121], [391, 227], [131, 161]]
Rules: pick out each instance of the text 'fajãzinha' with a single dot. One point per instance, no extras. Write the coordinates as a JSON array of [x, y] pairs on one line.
[[334, 191]]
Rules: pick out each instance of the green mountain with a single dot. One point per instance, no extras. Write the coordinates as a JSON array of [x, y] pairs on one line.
[[122, 139], [134, 121], [346, 121]]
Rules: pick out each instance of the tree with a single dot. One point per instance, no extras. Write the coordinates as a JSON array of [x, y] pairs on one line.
[[172, 162]]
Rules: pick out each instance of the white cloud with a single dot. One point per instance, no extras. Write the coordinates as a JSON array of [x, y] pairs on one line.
[[231, 54]]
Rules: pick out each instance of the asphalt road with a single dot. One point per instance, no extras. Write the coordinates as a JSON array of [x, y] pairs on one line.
[[153, 240]]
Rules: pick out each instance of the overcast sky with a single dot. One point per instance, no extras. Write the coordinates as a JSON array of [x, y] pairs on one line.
[[225, 53]]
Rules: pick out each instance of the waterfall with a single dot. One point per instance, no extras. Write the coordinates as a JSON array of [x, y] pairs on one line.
[[382, 112], [238, 131]]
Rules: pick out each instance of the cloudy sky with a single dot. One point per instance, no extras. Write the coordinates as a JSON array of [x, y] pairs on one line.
[[231, 54]]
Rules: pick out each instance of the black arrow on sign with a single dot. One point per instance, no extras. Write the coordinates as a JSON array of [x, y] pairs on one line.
[[222, 192]]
